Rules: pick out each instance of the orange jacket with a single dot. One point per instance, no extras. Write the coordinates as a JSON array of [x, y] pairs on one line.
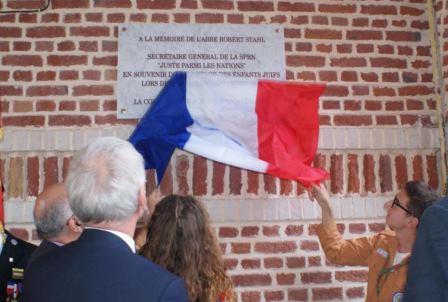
[[385, 282]]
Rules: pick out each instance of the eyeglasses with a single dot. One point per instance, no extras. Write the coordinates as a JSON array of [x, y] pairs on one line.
[[396, 202]]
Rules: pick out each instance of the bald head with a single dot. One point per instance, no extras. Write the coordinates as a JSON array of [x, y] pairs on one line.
[[52, 215]]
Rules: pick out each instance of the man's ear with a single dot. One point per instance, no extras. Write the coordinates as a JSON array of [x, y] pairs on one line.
[[74, 225], [142, 203], [413, 222]]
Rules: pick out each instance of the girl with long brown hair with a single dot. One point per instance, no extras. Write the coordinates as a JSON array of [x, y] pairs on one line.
[[180, 239]]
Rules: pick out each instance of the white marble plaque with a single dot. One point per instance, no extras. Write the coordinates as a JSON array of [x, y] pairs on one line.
[[150, 53]]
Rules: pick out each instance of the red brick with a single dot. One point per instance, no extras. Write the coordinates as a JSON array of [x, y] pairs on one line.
[[88, 46], [349, 76], [66, 46], [417, 163], [36, 121], [10, 90], [269, 184], [160, 18], [331, 105], [378, 10], [22, 106], [46, 90], [411, 11], [273, 262], [285, 186], [51, 171], [315, 277], [217, 4], [298, 294], [352, 120], [166, 185], [111, 46], [415, 90], [364, 48], [91, 105], [383, 91], [218, 178], [386, 120], [21, 46], [274, 295], [326, 48], [230, 264], [250, 296], [251, 280], [140, 18], [353, 174], [240, 248], [279, 19], [33, 176], [348, 62], [314, 261], [327, 293], [355, 292], [235, 181], [228, 232], [258, 6], [156, 4], [181, 18], [385, 173], [299, 20], [252, 182], [70, 4], [45, 32], [352, 276], [376, 227], [390, 77], [56, 60], [337, 8], [333, 90], [351, 105], [339, 21], [235, 19], [293, 6], [294, 230], [22, 60], [357, 228], [113, 3], [107, 60], [22, 75], [112, 119], [401, 170], [249, 231], [369, 173], [433, 175], [403, 36], [46, 76], [292, 33], [4, 75], [364, 35], [285, 278], [27, 18], [250, 263], [408, 119], [308, 245], [94, 75], [373, 105], [276, 247], [305, 61], [65, 166], [323, 34], [72, 18], [7, 18], [92, 90], [209, 18], [344, 48], [90, 31], [45, 105], [182, 166], [271, 231], [388, 62], [69, 120], [360, 22], [43, 45], [68, 75]]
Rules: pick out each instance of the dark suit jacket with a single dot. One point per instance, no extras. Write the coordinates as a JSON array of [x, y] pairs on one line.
[[428, 269], [44, 247], [99, 266], [19, 252]]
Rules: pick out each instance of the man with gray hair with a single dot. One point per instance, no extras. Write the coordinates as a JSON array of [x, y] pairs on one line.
[[55, 223], [106, 189]]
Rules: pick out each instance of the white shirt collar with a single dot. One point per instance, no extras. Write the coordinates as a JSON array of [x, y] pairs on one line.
[[125, 237]]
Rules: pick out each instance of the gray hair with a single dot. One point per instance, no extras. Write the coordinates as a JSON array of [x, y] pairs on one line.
[[53, 218], [104, 180]]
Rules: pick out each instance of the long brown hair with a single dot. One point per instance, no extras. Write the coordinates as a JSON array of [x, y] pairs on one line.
[[181, 240]]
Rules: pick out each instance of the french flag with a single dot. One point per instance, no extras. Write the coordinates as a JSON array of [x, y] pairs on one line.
[[260, 125]]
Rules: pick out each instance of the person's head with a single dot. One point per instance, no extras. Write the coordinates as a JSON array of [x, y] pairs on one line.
[[407, 207], [181, 240], [106, 182], [53, 217]]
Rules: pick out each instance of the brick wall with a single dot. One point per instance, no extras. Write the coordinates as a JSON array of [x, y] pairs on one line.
[[58, 90]]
